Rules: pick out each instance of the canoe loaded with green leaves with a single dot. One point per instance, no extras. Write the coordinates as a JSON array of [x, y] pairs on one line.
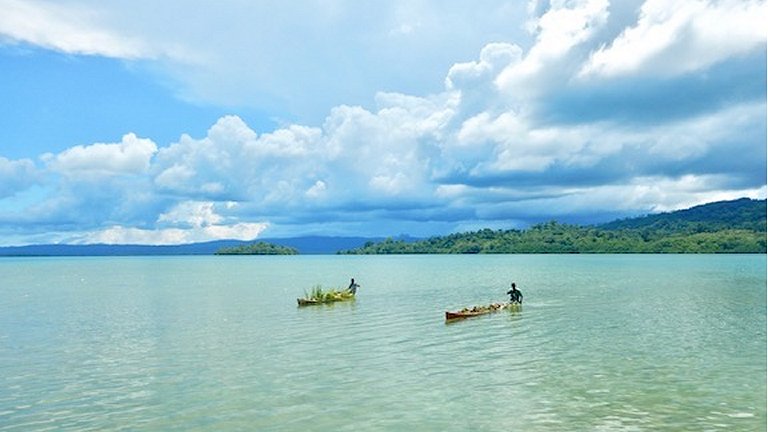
[[480, 310], [318, 296]]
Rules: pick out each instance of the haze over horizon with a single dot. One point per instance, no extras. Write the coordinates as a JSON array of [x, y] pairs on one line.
[[136, 122]]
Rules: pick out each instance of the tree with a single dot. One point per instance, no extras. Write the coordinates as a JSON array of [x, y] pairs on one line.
[[260, 248]]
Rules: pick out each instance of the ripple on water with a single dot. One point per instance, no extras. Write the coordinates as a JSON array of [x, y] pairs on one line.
[[601, 343]]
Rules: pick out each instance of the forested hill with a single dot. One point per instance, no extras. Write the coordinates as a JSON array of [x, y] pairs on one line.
[[743, 213], [723, 227]]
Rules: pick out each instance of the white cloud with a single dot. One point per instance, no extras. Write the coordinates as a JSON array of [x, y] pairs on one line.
[[215, 166], [169, 236], [191, 213], [69, 29], [559, 31], [642, 195], [392, 184], [233, 163], [482, 148], [292, 141], [358, 153], [231, 132], [659, 193], [675, 37], [317, 190], [131, 156], [186, 222], [293, 62], [238, 231], [565, 25], [175, 177], [389, 151], [16, 175], [503, 143], [494, 57], [126, 235]]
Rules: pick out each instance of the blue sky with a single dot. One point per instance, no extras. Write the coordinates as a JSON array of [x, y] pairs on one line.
[[171, 122]]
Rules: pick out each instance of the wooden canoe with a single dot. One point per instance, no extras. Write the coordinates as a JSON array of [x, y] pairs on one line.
[[344, 296], [478, 310]]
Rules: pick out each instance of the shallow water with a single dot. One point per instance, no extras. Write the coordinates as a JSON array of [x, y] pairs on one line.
[[603, 342]]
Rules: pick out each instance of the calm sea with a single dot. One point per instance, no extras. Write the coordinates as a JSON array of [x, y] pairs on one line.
[[602, 343]]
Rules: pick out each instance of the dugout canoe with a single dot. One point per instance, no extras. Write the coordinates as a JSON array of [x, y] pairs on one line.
[[479, 310], [333, 298]]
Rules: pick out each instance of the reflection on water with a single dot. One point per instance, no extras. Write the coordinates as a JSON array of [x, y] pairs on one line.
[[218, 343]]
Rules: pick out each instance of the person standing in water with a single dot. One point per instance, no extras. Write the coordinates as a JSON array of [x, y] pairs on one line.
[[515, 296], [353, 286]]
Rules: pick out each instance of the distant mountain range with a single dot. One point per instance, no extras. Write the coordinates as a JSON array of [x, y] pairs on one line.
[[743, 213], [739, 216], [305, 245]]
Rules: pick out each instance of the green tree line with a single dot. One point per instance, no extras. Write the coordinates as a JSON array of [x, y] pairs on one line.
[[260, 248], [724, 227], [553, 237]]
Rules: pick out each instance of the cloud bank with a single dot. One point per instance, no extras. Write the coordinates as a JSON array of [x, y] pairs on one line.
[[612, 111]]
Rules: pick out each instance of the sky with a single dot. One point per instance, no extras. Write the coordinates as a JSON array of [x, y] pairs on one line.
[[184, 121]]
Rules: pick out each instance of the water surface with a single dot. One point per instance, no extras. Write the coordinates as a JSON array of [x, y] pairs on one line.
[[603, 342]]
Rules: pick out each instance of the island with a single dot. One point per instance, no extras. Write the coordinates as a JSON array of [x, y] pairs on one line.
[[737, 226], [259, 248]]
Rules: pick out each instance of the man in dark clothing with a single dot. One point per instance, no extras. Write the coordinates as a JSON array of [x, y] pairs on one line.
[[353, 286], [515, 296]]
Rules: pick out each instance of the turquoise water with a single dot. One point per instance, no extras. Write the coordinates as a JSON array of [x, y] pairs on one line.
[[603, 343]]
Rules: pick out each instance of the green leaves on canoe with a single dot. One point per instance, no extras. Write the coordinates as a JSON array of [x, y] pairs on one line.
[[317, 294]]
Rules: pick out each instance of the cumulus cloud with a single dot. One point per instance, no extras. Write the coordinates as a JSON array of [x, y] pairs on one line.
[[191, 213], [564, 129], [184, 222], [561, 35], [233, 163], [16, 175], [494, 57], [206, 168], [170, 236], [675, 37], [130, 156], [125, 235]]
